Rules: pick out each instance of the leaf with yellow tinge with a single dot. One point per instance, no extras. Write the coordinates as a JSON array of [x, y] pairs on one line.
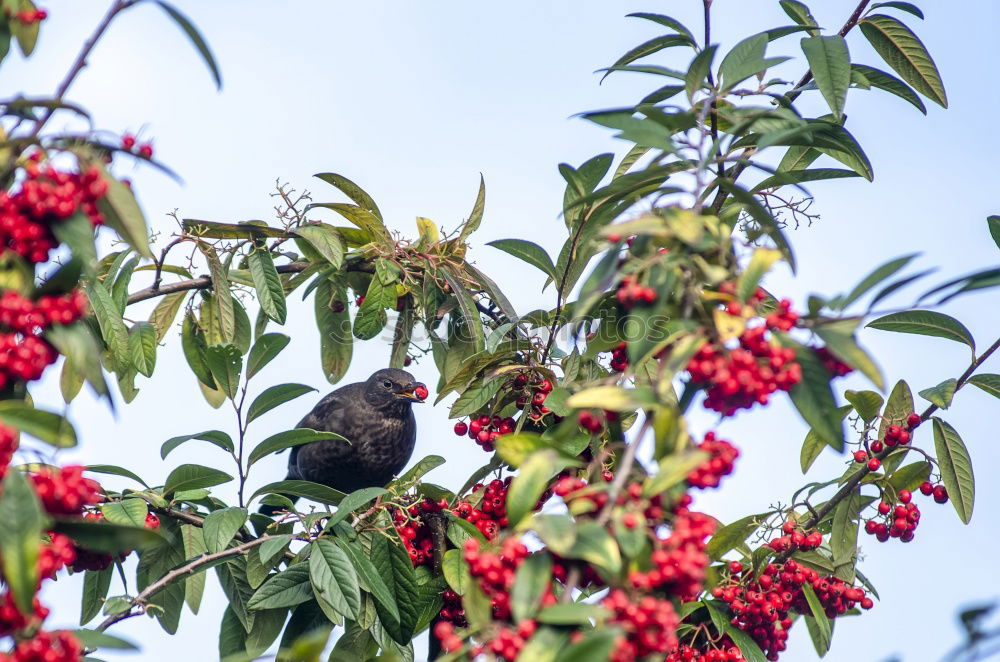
[[429, 233], [728, 326], [904, 52], [613, 398]]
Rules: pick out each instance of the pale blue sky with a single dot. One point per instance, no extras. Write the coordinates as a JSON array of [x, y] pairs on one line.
[[413, 101]]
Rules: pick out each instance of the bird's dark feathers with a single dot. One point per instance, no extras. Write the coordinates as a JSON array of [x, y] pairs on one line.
[[376, 419]]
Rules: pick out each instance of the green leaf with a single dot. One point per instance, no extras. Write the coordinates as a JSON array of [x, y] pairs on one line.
[[233, 577], [802, 175], [866, 403], [666, 21], [596, 645], [327, 241], [264, 350], [371, 317], [221, 526], [530, 482], [194, 586], [196, 40], [352, 502], [129, 512], [113, 470], [275, 396], [195, 349], [334, 580], [20, 537], [731, 536], [112, 326], [925, 323], [883, 81], [142, 347], [799, 12], [698, 71], [285, 589], [211, 230], [370, 580], [746, 59], [95, 589], [222, 299], [456, 571], [763, 219], [193, 476], [108, 537], [844, 535], [81, 349], [302, 488], [266, 281], [987, 382], [289, 438], [476, 217], [43, 425], [336, 342], [812, 446], [874, 278], [572, 613], [906, 54], [123, 215], [813, 397], [531, 581], [760, 263], [475, 398], [840, 340], [941, 394], [94, 639], [595, 545], [897, 408], [911, 476], [647, 48], [529, 252], [216, 437], [908, 7], [830, 64], [351, 190], [404, 584], [993, 223], [956, 468], [823, 627], [361, 217], [225, 363]]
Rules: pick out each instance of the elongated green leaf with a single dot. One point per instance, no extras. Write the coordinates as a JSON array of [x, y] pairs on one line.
[[122, 214], [221, 526], [334, 580], [193, 476], [222, 299], [266, 281], [844, 535], [840, 340], [20, 537], [731, 536], [474, 398], [286, 589], [289, 438], [225, 363], [906, 54], [302, 488], [830, 64], [956, 468], [95, 589], [43, 425], [476, 217], [112, 326], [162, 317], [813, 397], [595, 545], [698, 72], [883, 81], [275, 396], [129, 512], [194, 586], [925, 323], [530, 482], [666, 21], [823, 630], [760, 263], [351, 190], [336, 342], [267, 347], [142, 347], [371, 317], [874, 278], [197, 40], [364, 219], [987, 382], [908, 7], [941, 394], [216, 437], [573, 613], [529, 252], [647, 48], [113, 470], [530, 583], [370, 580]]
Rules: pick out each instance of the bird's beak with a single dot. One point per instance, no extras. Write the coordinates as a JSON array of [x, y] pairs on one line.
[[416, 392]]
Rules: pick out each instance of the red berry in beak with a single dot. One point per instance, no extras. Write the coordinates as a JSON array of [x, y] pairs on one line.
[[420, 392]]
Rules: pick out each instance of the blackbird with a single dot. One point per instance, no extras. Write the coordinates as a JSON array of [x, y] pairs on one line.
[[376, 418]]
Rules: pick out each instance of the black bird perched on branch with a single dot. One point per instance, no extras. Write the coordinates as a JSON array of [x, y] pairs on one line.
[[375, 416]]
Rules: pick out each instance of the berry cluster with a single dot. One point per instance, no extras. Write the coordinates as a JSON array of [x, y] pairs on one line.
[[619, 358], [899, 521], [8, 444], [47, 196], [630, 293], [485, 430], [55, 555], [833, 365], [795, 539], [761, 607], [64, 491], [145, 150], [895, 435], [590, 422], [939, 491], [24, 358], [58, 646], [489, 518], [22, 315], [11, 618], [722, 650], [650, 626], [679, 560], [495, 572], [739, 378], [722, 455]]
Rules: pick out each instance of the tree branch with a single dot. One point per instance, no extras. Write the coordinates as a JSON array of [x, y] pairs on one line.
[[140, 601]]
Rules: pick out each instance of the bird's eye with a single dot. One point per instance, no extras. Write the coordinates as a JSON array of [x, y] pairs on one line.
[[387, 384]]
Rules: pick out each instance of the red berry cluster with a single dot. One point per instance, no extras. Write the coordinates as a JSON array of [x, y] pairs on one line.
[[145, 150], [679, 560], [630, 293], [8, 444], [11, 618], [534, 392], [24, 358], [55, 555], [619, 358], [899, 521], [495, 572], [592, 423], [894, 435], [46, 196], [572, 488], [64, 491], [761, 608], [31, 16], [722, 455], [489, 518], [58, 646], [452, 609], [939, 491], [795, 539], [782, 319], [722, 650], [650, 626], [21, 315], [739, 378], [833, 365], [485, 430]]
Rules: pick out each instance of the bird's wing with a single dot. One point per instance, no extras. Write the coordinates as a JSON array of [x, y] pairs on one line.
[[329, 413]]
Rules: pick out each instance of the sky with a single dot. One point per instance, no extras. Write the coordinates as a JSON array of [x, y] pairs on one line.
[[413, 101]]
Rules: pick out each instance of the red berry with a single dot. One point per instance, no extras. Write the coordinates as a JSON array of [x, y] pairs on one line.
[[860, 456], [874, 464], [461, 428], [421, 392], [913, 420], [146, 150], [926, 488], [940, 494], [905, 496]]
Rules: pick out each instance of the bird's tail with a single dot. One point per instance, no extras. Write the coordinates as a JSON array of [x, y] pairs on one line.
[[266, 509]]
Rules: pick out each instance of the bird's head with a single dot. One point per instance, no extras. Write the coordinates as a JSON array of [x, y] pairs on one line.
[[394, 389]]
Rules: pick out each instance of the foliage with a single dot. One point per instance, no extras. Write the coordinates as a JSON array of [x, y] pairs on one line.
[[658, 300]]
